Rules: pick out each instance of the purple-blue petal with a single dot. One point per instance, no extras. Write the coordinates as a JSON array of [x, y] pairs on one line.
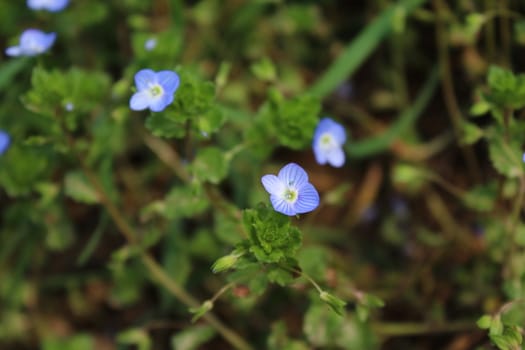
[[328, 125], [272, 184], [159, 104], [145, 77], [307, 200], [169, 81], [5, 141], [52, 6], [293, 175], [139, 101], [336, 157], [282, 206], [13, 51]]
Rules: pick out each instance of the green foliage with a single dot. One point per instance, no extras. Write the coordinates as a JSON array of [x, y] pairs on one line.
[[272, 238], [211, 165], [295, 120], [192, 338], [53, 92], [507, 90]]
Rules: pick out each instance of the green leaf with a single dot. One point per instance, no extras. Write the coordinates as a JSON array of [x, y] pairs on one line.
[[264, 69], [496, 326], [272, 238], [161, 125], [505, 158], [409, 176], [507, 90], [471, 133], [194, 96], [77, 187], [282, 277], [135, 336], [210, 165], [54, 92], [295, 120], [484, 321], [192, 338], [185, 201], [482, 198]]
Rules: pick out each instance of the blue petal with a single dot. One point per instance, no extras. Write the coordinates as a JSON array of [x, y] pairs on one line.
[[169, 80], [293, 175], [328, 125], [160, 103], [307, 200], [282, 206], [52, 6], [13, 51], [5, 140], [144, 78], [320, 154], [273, 185], [336, 157], [139, 101]]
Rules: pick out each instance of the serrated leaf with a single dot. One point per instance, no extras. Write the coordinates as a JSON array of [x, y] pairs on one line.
[[78, 188], [505, 158]]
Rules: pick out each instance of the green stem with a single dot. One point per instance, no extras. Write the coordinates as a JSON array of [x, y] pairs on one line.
[[158, 274], [360, 48], [410, 329]]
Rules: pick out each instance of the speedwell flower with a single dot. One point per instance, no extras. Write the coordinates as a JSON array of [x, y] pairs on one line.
[[48, 5], [155, 90], [32, 42], [290, 192], [5, 140], [329, 138]]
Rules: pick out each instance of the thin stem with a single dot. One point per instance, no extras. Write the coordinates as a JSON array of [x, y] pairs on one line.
[[448, 87], [406, 329], [157, 272]]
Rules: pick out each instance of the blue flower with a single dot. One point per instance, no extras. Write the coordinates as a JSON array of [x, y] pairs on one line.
[[329, 138], [290, 192], [155, 90], [32, 42], [150, 44], [5, 141], [48, 5]]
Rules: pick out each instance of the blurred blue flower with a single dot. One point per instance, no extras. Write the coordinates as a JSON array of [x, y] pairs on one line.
[[290, 192], [32, 42], [150, 44], [329, 138], [48, 5], [5, 141], [155, 90]]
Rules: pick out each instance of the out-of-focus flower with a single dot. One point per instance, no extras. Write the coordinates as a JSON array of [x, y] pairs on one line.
[[150, 44], [5, 141], [290, 192], [32, 42], [329, 138], [48, 5], [155, 90]]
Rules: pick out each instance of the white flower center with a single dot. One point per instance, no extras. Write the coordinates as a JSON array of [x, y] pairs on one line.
[[327, 142], [155, 90], [290, 195]]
